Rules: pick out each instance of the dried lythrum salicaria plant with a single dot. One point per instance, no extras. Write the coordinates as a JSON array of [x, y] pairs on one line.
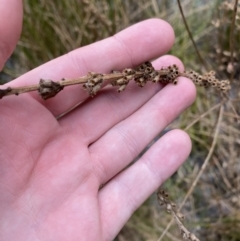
[[163, 199], [93, 82]]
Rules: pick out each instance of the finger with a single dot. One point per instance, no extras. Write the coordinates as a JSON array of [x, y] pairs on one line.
[[128, 48], [129, 137], [128, 190], [10, 27], [97, 116]]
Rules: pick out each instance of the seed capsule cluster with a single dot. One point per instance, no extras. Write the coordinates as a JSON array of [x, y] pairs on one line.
[[163, 199], [209, 79], [141, 75], [94, 83], [146, 72], [127, 75], [49, 88]]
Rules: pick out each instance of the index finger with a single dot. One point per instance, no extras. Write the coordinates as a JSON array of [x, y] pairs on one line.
[[130, 47]]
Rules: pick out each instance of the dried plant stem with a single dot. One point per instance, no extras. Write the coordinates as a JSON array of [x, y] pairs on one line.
[[224, 176], [163, 199], [190, 34], [93, 82], [204, 114], [207, 158], [233, 108], [201, 171], [62, 83], [232, 38]]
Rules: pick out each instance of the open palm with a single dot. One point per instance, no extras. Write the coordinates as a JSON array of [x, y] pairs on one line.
[[51, 170]]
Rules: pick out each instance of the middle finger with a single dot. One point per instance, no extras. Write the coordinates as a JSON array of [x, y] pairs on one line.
[[123, 143]]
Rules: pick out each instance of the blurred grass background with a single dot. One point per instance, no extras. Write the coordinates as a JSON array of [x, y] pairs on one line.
[[53, 28]]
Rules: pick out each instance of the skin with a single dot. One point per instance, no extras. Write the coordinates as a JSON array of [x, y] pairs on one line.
[[51, 170]]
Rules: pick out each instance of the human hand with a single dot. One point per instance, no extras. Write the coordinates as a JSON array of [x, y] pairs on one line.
[[51, 169]]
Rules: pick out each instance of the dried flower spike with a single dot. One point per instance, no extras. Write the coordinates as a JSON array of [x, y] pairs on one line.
[[93, 82], [208, 79], [163, 199]]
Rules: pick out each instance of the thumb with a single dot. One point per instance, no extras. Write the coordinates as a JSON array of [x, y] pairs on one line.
[[11, 13]]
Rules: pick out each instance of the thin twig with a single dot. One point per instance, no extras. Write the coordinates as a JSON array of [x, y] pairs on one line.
[[222, 173], [233, 108], [203, 115], [163, 199], [190, 35], [232, 38], [200, 172], [207, 158]]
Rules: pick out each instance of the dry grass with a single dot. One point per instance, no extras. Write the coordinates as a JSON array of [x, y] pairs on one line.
[[208, 183]]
